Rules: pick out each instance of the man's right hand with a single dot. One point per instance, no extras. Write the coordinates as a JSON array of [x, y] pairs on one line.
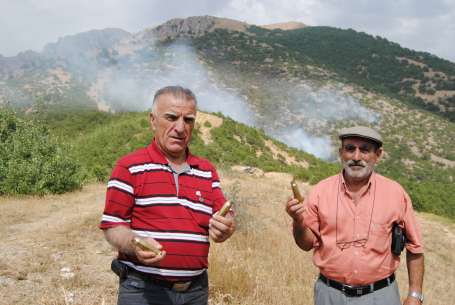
[[303, 237], [295, 209], [147, 257]]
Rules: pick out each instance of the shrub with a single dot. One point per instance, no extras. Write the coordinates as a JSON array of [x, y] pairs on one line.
[[31, 162]]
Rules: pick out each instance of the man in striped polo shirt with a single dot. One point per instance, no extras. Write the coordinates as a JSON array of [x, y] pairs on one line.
[[168, 197]]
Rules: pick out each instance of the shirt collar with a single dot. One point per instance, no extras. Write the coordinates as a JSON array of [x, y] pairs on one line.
[[344, 188]]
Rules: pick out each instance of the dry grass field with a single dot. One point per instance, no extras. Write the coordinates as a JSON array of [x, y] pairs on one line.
[[52, 253]]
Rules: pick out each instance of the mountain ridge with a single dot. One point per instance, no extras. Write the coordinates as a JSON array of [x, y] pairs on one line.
[[423, 79]]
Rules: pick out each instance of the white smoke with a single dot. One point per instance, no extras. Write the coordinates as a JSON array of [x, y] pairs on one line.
[[319, 146], [125, 78], [309, 114], [302, 116], [329, 104], [178, 65]]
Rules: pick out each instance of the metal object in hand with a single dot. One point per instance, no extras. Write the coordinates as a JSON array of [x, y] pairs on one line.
[[225, 208], [296, 191]]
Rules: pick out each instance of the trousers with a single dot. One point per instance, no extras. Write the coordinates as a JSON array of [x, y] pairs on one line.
[[325, 295], [137, 290]]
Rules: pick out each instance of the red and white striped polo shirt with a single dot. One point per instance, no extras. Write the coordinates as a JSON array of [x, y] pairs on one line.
[[142, 195]]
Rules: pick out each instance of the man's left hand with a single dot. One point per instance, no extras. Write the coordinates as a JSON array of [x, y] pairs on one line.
[[221, 228], [411, 301]]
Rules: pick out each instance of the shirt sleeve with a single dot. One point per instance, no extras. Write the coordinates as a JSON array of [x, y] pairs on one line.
[[119, 198], [217, 193], [412, 228]]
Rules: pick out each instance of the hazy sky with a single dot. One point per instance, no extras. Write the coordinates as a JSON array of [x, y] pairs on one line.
[[417, 24]]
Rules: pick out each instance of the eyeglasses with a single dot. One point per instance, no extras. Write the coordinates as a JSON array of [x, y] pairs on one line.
[[360, 243]]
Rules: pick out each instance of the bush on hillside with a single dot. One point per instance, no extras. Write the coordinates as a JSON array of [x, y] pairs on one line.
[[31, 162]]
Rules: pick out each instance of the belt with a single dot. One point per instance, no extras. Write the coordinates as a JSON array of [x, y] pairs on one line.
[[357, 291], [179, 286]]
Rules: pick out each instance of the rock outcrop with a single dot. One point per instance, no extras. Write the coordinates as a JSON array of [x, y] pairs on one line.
[[192, 27]]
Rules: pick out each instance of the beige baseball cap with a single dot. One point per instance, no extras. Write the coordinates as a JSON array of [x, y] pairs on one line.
[[361, 132]]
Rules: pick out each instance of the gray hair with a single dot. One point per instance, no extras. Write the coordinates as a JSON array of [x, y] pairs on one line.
[[178, 92]]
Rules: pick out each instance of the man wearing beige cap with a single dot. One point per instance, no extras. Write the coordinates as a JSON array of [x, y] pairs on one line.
[[352, 220]]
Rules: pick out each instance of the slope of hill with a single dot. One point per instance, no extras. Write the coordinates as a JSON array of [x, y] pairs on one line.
[[374, 63], [97, 139], [259, 265], [292, 25], [298, 86]]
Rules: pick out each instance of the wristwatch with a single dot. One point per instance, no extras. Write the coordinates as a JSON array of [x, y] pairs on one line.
[[417, 295]]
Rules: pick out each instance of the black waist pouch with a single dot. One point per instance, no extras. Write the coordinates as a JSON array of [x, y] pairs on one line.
[[398, 239], [119, 268]]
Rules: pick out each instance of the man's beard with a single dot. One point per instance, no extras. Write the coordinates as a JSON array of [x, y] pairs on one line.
[[357, 173]]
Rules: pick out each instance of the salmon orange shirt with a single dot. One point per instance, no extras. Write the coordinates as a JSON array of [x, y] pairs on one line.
[[353, 243]]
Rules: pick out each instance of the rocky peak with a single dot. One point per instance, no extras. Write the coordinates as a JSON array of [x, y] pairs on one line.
[[193, 27]]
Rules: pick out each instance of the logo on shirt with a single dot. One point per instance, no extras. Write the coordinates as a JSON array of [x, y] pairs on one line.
[[199, 196]]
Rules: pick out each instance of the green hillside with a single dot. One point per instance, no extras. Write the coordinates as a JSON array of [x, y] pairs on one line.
[[92, 142], [418, 78], [98, 139]]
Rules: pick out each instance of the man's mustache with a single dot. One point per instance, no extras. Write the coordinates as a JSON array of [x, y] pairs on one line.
[[356, 163]]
